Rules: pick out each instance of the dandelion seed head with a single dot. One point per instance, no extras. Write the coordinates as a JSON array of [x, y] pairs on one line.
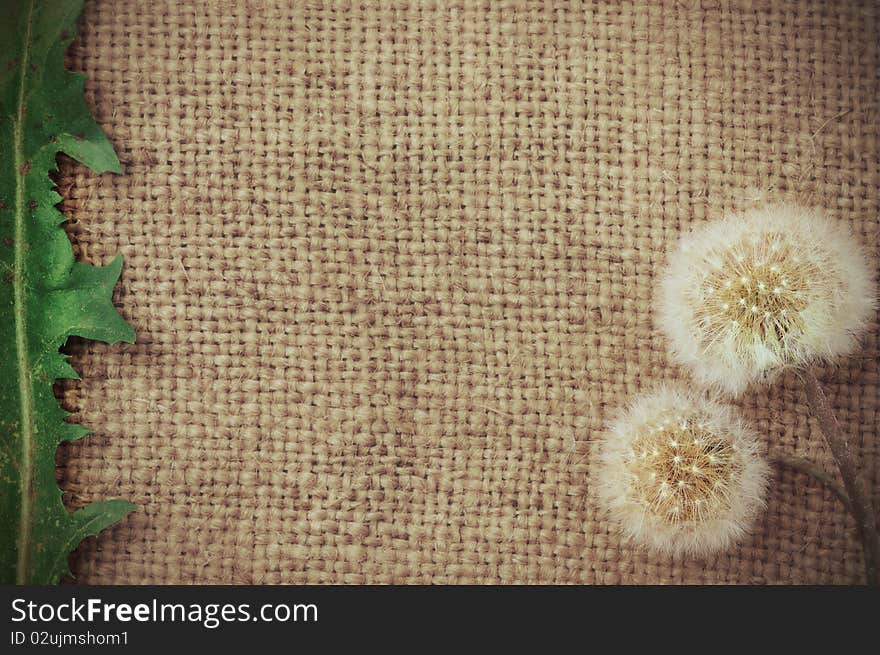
[[695, 497], [823, 295]]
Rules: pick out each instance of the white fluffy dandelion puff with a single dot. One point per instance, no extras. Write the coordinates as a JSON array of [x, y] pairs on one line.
[[680, 473], [746, 296]]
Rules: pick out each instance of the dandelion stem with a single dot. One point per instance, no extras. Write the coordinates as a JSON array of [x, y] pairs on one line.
[[809, 468], [856, 488]]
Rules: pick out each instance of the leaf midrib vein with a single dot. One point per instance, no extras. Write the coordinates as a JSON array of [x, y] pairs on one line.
[[26, 472]]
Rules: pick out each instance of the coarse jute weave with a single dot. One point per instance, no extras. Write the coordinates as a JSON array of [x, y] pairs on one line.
[[390, 265]]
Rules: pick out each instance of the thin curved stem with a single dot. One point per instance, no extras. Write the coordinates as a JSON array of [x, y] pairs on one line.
[[814, 471], [853, 481]]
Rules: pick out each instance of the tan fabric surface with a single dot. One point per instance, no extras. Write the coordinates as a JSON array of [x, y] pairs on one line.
[[390, 269]]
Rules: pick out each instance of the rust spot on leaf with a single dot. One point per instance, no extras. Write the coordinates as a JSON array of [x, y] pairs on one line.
[[24, 168], [33, 204], [8, 241]]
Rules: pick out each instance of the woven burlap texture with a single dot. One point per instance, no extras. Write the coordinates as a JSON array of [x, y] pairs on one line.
[[391, 267]]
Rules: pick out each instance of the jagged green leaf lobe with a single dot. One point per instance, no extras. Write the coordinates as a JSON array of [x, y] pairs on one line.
[[45, 296]]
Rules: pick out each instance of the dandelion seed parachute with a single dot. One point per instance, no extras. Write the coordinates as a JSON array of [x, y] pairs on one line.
[[680, 474], [746, 296]]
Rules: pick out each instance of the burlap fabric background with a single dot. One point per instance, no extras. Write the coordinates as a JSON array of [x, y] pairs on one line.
[[390, 266]]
